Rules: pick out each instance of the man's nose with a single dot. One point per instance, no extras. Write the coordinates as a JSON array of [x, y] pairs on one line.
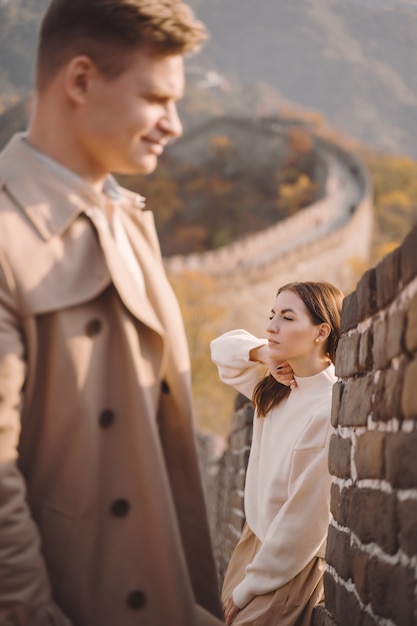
[[171, 123]]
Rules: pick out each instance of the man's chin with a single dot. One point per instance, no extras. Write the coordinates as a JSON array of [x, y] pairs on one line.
[[144, 166]]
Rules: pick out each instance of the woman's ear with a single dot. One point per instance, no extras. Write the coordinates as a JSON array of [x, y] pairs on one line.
[[323, 331]]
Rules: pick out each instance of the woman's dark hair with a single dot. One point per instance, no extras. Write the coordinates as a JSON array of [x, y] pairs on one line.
[[324, 304]]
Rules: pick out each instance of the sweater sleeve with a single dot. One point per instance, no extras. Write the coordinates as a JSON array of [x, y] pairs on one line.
[[299, 529], [230, 352]]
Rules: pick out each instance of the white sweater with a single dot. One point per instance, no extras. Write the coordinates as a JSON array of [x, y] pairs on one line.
[[287, 491]]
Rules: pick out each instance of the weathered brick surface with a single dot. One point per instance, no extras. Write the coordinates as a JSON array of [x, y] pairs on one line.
[[366, 295], [379, 348], [359, 565], [342, 603], [395, 334], [369, 455], [338, 552], [338, 391], [347, 363], [372, 518], [388, 394], [388, 279], [411, 326], [374, 547], [391, 592], [349, 312], [335, 502], [339, 456], [400, 459], [365, 356], [409, 391], [356, 403], [409, 257], [407, 516]]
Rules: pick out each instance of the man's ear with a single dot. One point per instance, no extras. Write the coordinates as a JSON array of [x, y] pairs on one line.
[[79, 74]]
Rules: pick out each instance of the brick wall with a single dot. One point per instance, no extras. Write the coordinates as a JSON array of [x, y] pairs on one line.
[[372, 543]]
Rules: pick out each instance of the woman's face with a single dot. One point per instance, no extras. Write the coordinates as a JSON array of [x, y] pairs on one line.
[[292, 336]]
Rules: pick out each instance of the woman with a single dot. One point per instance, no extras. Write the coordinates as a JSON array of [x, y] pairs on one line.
[[275, 573]]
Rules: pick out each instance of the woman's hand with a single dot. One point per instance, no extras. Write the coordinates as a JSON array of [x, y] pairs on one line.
[[230, 610], [282, 372]]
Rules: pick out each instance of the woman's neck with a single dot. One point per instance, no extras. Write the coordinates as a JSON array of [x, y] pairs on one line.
[[309, 367]]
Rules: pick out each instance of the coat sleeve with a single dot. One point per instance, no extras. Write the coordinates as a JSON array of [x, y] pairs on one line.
[[299, 530], [230, 352], [25, 595]]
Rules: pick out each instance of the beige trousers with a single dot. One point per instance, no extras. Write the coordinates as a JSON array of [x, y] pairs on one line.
[[290, 605]]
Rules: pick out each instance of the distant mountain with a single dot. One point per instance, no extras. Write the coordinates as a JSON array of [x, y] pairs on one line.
[[353, 61]]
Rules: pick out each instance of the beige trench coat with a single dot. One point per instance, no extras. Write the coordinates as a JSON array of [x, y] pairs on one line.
[[102, 517]]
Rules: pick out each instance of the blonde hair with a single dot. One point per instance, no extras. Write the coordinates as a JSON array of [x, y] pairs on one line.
[[108, 31], [324, 304]]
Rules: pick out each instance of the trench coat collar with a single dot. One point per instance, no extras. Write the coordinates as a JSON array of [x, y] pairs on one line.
[[18, 163], [29, 182]]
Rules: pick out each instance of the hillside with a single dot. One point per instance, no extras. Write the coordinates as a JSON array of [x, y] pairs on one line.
[[353, 61]]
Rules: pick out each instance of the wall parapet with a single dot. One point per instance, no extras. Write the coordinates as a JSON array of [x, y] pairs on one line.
[[371, 575]]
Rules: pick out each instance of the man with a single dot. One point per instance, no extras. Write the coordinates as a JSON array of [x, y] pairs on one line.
[[102, 517]]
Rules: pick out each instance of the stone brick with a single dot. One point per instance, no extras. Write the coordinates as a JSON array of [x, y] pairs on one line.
[[387, 404], [337, 394], [368, 620], [369, 455], [339, 456], [345, 505], [356, 403], [407, 515], [395, 334], [366, 295], [400, 459], [330, 587], [411, 326], [335, 502], [349, 318], [365, 356], [338, 552], [391, 592], [349, 612], [409, 257], [347, 362], [409, 391], [388, 279], [322, 617], [372, 517], [379, 349], [359, 566]]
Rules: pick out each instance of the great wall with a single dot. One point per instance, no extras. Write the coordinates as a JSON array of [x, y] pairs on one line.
[[371, 576], [326, 240]]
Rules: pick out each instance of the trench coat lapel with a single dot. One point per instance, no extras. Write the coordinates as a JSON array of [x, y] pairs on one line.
[[132, 297]]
